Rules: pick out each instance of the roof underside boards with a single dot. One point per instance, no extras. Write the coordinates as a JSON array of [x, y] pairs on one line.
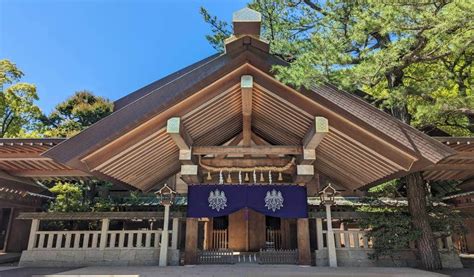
[[131, 145], [456, 167], [21, 160]]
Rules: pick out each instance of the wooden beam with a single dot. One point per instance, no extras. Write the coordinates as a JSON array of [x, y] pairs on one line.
[[233, 142], [463, 155], [190, 174], [304, 173], [177, 132], [246, 85], [316, 133], [260, 141], [245, 162], [49, 173], [450, 167], [308, 157], [254, 150]]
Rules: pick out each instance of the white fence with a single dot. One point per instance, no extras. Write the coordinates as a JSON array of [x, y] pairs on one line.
[[103, 239], [358, 239]]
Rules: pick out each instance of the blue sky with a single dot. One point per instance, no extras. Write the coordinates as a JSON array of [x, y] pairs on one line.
[[109, 47]]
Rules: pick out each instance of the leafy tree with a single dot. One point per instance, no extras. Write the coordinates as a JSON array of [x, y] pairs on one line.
[[76, 113], [69, 198], [18, 111], [412, 59]]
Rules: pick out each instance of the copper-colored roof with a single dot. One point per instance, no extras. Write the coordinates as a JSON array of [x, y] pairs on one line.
[[130, 145], [21, 158]]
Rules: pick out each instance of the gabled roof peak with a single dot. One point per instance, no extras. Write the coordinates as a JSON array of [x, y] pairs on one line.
[[246, 14], [247, 22]]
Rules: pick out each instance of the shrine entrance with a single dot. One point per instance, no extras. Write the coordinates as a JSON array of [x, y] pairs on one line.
[[242, 223], [245, 235]]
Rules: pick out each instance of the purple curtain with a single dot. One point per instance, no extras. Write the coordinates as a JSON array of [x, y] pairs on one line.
[[288, 201]]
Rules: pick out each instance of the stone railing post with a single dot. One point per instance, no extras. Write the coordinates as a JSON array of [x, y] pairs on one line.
[[103, 233], [330, 239], [164, 238], [319, 233], [174, 235], [34, 228]]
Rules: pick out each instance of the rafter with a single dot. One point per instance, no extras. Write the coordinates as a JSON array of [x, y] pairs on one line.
[[246, 85]]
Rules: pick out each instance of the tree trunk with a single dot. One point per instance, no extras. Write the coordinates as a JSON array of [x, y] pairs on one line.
[[428, 250]]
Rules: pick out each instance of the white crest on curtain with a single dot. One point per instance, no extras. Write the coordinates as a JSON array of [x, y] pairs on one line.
[[274, 200], [217, 200]]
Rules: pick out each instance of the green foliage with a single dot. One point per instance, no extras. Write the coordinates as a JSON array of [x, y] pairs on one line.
[[81, 197], [69, 198], [75, 114], [414, 58], [390, 228], [18, 111], [388, 189]]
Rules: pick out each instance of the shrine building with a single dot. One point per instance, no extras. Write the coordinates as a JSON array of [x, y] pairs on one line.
[[239, 161]]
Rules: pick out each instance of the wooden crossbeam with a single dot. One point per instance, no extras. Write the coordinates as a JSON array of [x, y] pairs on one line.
[[260, 141], [177, 132], [190, 174], [245, 162], [233, 142], [254, 150], [246, 85], [316, 133], [319, 128], [304, 174]]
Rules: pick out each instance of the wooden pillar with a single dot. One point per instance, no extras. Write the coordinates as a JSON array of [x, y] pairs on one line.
[[190, 249], [34, 228], [304, 250]]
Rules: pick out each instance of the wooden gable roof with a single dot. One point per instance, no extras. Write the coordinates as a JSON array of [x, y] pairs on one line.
[[364, 144]]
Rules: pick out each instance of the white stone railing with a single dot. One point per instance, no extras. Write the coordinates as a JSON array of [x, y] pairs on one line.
[[352, 239], [101, 239], [358, 239]]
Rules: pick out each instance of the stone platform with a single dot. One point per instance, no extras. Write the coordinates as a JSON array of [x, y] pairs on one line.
[[245, 270]]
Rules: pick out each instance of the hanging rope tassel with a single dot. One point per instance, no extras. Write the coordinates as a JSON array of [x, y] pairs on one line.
[[240, 177], [229, 179], [247, 177], [209, 176], [280, 177], [270, 177], [221, 178], [261, 177]]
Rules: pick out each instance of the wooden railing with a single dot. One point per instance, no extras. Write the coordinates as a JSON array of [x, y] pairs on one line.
[[273, 239], [219, 239]]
